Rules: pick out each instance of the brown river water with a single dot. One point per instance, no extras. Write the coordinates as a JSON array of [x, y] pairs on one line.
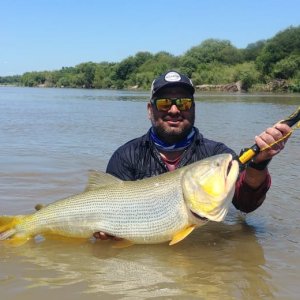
[[49, 140]]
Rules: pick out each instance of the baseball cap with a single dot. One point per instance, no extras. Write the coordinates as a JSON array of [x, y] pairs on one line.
[[171, 78]]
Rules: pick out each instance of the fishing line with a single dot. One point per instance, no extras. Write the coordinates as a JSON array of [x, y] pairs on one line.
[[293, 119], [281, 139]]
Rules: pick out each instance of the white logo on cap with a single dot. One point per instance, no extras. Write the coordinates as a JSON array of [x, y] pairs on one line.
[[172, 77]]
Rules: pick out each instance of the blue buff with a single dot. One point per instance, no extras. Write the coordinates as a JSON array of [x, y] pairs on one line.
[[183, 144]]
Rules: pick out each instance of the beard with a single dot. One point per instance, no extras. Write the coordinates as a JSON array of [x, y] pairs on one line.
[[172, 133]]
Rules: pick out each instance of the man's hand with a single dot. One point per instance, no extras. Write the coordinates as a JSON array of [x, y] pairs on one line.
[[271, 142], [276, 136], [104, 236]]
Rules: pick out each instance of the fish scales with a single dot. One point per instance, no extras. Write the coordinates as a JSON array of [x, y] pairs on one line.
[[151, 210], [122, 212]]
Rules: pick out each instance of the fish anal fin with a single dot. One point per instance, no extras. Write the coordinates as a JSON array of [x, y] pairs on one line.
[[100, 179], [64, 239], [182, 234], [17, 241], [122, 244]]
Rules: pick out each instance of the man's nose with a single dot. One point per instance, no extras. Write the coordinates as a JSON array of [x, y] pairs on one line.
[[174, 109]]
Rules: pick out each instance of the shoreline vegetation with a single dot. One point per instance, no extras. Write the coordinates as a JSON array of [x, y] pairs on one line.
[[271, 65]]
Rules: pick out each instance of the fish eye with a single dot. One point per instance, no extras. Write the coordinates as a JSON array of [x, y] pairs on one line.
[[217, 164]]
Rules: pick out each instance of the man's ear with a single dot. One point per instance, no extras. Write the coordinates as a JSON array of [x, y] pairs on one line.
[[150, 110]]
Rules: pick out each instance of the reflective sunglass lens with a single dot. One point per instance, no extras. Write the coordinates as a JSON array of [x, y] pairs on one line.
[[164, 104]]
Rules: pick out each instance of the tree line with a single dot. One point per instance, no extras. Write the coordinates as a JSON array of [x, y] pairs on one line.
[[213, 62]]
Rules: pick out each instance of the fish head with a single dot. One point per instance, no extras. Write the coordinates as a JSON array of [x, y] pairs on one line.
[[208, 186]]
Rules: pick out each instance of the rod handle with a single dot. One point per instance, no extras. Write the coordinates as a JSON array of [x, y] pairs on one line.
[[254, 150]]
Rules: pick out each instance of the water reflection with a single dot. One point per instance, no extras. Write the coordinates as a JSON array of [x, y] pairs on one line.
[[199, 267]]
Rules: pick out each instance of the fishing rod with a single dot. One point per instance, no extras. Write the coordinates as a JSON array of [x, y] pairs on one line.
[[251, 152]]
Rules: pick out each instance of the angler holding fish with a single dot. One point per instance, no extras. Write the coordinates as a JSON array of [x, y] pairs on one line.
[[173, 142], [141, 202]]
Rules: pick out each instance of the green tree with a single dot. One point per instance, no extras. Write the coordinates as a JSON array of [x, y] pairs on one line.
[[159, 63], [64, 81], [85, 74], [31, 79], [287, 67], [188, 65], [246, 73], [214, 50], [103, 74], [251, 52], [282, 45], [143, 79], [212, 73], [129, 66], [15, 79]]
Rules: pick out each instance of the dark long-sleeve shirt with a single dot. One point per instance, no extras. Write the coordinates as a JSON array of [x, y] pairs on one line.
[[139, 158]]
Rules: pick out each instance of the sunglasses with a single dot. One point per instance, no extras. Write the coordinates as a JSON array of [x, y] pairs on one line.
[[164, 104]]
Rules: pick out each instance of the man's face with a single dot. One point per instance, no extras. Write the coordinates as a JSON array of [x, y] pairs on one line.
[[173, 125]]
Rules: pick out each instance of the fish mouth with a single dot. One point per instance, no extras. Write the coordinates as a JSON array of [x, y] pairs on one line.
[[198, 216], [232, 172], [229, 167]]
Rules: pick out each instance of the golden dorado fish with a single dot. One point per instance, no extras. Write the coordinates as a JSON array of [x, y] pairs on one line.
[[162, 208]]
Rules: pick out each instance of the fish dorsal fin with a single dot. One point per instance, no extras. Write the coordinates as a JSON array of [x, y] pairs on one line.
[[39, 206], [100, 179], [182, 234]]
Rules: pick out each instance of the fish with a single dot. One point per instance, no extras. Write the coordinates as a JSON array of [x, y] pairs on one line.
[[163, 208]]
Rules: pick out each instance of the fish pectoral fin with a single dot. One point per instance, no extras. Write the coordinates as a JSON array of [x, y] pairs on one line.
[[100, 179], [182, 234], [122, 244]]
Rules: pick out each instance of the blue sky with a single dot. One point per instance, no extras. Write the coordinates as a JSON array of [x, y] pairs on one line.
[[41, 35]]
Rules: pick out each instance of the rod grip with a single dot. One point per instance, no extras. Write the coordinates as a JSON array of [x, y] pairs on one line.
[[247, 155]]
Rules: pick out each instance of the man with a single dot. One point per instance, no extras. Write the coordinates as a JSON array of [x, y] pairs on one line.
[[173, 142]]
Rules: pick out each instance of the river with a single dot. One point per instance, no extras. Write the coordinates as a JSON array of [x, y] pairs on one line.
[[49, 140]]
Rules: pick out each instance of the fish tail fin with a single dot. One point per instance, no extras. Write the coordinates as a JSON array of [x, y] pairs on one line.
[[9, 232]]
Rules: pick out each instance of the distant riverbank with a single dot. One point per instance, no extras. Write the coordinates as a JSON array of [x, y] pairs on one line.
[[278, 85], [274, 86]]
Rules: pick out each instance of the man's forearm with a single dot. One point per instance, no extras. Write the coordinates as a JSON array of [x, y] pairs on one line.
[[251, 189], [255, 178]]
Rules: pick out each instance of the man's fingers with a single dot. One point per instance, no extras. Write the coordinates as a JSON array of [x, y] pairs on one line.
[[100, 236], [104, 236], [273, 134]]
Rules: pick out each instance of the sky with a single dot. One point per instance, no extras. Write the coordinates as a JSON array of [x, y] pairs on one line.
[[39, 35]]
